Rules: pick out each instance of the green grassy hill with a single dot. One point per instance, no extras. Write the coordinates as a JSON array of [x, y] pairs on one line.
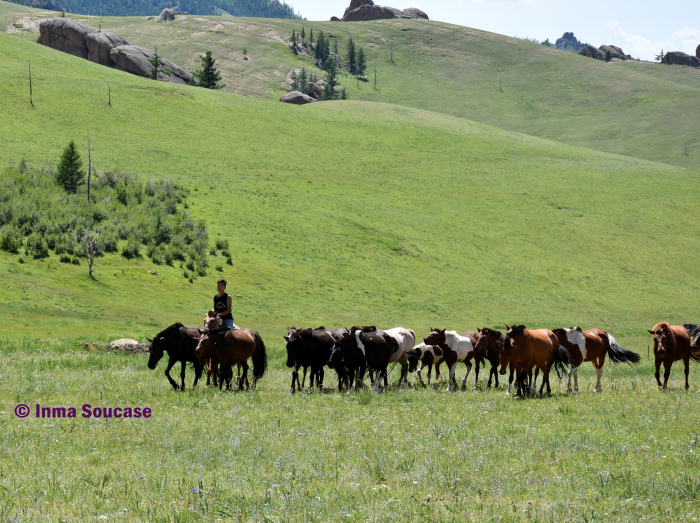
[[642, 110], [349, 212]]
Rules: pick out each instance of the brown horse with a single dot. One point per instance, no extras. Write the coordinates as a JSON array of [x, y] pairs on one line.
[[671, 343], [230, 347], [592, 345], [525, 349], [488, 345]]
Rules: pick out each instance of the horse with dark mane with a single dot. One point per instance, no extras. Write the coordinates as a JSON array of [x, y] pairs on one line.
[[488, 346], [592, 345], [310, 348], [361, 350], [525, 349], [230, 347], [179, 342], [672, 343]]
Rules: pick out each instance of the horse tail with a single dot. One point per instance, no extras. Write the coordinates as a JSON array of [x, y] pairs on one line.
[[619, 354], [259, 358], [561, 360]]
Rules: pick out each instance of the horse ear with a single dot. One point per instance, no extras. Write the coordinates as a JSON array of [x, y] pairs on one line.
[[578, 328], [149, 339], [200, 331], [650, 331], [286, 337], [478, 329], [507, 328]]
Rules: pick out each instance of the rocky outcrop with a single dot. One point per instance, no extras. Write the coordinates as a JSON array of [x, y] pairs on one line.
[[166, 15], [372, 12], [413, 12], [335, 19], [108, 49], [99, 46], [697, 52], [135, 60], [568, 42], [313, 90], [599, 53], [615, 51], [64, 34], [681, 58], [364, 10], [297, 98]]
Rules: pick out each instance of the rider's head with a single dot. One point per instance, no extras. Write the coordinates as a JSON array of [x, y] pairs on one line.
[[221, 285]]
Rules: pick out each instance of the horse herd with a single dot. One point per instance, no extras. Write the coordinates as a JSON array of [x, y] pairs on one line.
[[353, 353]]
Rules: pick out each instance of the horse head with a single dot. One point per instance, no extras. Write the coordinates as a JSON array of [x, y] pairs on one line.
[[340, 348], [155, 350], [436, 337], [293, 345], [662, 337], [204, 347]]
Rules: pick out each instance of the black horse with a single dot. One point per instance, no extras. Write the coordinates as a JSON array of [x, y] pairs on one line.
[[310, 348], [179, 342], [360, 351]]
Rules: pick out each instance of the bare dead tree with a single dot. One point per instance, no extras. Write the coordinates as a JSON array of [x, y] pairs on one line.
[[31, 94], [92, 247]]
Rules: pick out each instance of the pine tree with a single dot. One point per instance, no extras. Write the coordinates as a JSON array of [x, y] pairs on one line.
[[331, 79], [608, 55], [69, 173], [352, 59], [157, 66], [208, 76], [294, 41], [303, 34], [361, 63], [311, 36], [660, 57], [335, 47], [302, 78]]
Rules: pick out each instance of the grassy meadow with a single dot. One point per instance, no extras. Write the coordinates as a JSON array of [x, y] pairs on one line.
[[357, 212], [636, 109], [626, 454]]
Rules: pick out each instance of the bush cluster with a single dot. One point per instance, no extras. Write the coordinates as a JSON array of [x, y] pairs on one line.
[[38, 216]]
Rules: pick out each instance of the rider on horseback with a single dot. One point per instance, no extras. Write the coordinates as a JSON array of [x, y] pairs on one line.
[[222, 305]]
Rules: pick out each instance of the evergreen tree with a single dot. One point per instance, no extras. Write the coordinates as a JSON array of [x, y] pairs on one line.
[[311, 36], [302, 79], [329, 92], [303, 34], [335, 47], [69, 173], [294, 41], [157, 66], [660, 57], [608, 55], [352, 59], [361, 63], [295, 80], [208, 76]]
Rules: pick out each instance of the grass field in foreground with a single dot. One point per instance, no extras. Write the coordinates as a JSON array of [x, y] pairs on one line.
[[350, 213], [637, 109], [627, 454]]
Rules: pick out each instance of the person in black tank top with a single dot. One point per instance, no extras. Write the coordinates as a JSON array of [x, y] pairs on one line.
[[222, 304]]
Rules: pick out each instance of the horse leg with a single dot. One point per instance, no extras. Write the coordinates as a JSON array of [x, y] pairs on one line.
[[510, 377], [488, 385], [451, 376], [599, 372], [576, 379], [319, 378], [197, 373], [242, 379], [303, 380], [167, 373], [686, 362], [469, 368], [209, 373], [667, 371], [494, 369], [537, 373], [183, 367], [476, 371], [571, 371], [656, 374]]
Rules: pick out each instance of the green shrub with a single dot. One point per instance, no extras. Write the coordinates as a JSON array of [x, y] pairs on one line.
[[109, 243], [222, 244], [219, 268], [225, 253], [75, 260], [11, 240], [37, 246], [131, 250], [121, 193], [65, 258], [229, 261]]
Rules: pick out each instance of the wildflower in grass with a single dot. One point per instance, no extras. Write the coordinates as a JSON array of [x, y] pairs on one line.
[[692, 442], [143, 477], [195, 490]]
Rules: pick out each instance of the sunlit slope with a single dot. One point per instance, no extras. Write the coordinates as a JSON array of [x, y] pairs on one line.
[[643, 110], [349, 212]]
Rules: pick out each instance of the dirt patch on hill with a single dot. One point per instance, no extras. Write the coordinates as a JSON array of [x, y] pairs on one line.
[[137, 348]]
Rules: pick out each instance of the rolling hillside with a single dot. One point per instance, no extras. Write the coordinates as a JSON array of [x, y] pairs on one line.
[[349, 212], [642, 110]]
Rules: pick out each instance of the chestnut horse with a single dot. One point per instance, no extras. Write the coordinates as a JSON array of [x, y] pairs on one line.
[[230, 347], [526, 348], [456, 348], [592, 345], [671, 343]]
